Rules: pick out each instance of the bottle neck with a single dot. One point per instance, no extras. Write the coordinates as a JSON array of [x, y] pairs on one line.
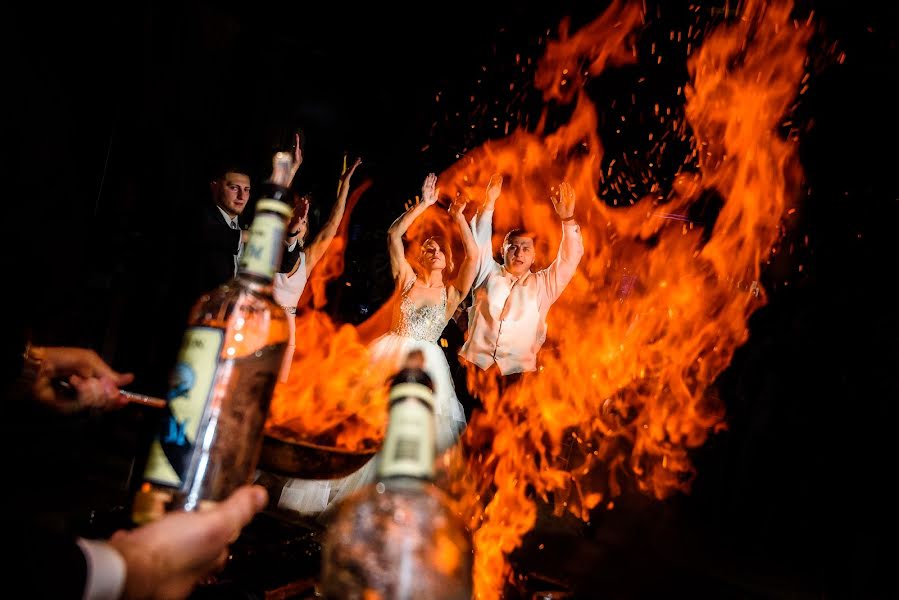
[[262, 253], [409, 446]]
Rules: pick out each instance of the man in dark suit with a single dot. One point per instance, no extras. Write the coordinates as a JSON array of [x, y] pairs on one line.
[[205, 244], [212, 235], [210, 239]]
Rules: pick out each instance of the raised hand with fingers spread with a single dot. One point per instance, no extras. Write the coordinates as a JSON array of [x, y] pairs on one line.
[[564, 202], [429, 190], [494, 189]]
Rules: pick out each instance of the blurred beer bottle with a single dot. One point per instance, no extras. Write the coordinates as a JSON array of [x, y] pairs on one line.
[[399, 538], [221, 386]]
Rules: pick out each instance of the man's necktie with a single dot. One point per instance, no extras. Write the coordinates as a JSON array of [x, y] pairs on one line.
[[234, 225]]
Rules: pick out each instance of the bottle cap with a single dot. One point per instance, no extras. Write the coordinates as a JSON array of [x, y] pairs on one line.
[[412, 381], [413, 371]]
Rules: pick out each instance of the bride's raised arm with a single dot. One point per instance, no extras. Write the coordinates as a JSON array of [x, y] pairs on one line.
[[402, 271], [469, 268]]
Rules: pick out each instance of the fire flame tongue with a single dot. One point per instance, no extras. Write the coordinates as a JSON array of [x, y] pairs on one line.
[[659, 304], [654, 314], [333, 397]]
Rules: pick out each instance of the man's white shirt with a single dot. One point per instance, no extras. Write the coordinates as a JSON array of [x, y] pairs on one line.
[[507, 316]]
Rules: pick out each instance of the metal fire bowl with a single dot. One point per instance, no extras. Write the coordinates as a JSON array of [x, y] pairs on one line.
[[303, 460]]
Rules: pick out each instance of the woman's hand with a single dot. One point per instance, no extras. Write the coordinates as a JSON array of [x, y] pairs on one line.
[[429, 191], [457, 208]]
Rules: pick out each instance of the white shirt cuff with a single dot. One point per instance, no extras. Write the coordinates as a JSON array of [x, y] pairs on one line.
[[106, 570]]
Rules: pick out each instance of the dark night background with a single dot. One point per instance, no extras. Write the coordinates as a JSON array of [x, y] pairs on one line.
[[114, 115]]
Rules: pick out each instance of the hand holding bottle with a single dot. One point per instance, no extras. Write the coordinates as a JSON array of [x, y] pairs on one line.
[[166, 558], [226, 372]]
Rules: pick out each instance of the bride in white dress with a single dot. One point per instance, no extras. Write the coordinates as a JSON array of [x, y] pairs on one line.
[[426, 303]]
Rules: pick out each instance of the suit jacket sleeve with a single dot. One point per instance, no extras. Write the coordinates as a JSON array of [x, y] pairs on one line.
[[207, 246], [50, 565]]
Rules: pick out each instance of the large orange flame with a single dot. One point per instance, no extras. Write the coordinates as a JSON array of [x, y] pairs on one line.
[[659, 304], [660, 301], [334, 396]]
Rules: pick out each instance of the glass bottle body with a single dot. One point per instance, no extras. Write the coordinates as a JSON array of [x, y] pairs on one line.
[[219, 394], [209, 441], [399, 540]]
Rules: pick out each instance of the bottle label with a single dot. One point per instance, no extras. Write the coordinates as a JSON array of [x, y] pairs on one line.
[[409, 443], [190, 389], [263, 250]]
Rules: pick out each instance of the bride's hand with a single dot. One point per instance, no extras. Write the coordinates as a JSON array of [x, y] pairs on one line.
[[457, 208], [429, 191]]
